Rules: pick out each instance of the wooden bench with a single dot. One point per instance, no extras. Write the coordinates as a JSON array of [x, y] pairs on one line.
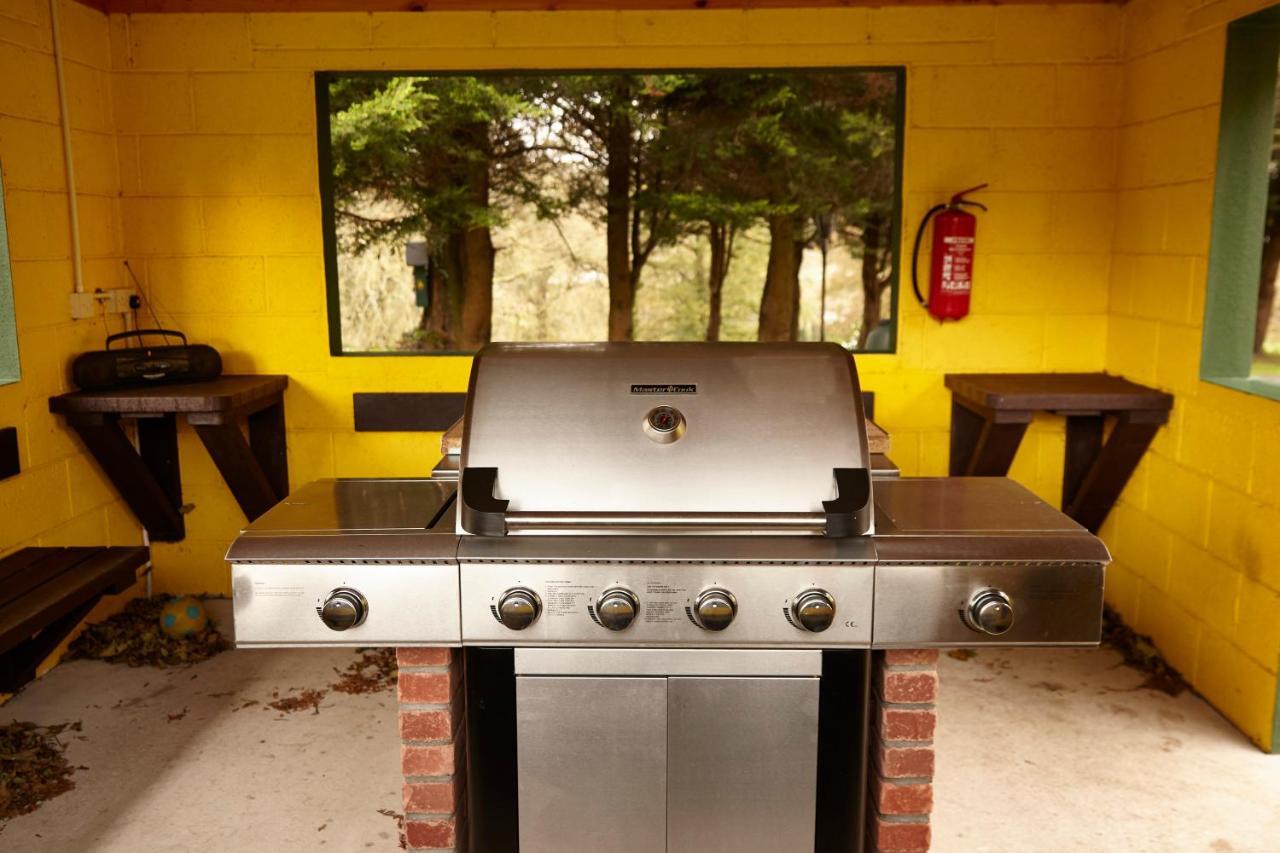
[[46, 592]]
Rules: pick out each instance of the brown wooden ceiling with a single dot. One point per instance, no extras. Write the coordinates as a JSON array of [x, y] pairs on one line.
[[169, 6]]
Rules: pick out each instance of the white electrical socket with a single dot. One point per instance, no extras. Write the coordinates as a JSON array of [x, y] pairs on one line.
[[117, 301], [83, 305]]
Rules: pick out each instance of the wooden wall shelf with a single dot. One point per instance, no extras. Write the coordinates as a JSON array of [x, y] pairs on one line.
[[149, 479], [990, 413]]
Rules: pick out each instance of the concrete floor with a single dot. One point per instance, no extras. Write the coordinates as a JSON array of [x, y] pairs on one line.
[[1037, 751], [1062, 750], [176, 762]]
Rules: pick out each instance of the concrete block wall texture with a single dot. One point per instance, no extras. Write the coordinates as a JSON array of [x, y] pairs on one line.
[[218, 173], [60, 497], [1196, 536], [1094, 123]]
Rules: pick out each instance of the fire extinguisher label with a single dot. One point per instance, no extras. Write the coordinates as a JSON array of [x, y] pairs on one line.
[[957, 263]]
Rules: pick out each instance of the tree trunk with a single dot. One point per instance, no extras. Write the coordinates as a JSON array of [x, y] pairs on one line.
[[780, 300], [872, 286], [721, 238], [477, 255], [797, 260], [441, 321], [1267, 284], [622, 295]]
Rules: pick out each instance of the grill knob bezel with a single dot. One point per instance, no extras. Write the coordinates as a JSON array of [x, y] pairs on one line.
[[989, 611], [518, 608], [814, 610], [617, 608], [719, 598], [344, 608]]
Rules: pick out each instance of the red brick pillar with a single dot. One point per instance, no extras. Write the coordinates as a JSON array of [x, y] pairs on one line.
[[431, 749], [904, 686]]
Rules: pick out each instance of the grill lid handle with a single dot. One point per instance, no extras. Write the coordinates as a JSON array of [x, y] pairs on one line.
[[482, 513], [848, 514]]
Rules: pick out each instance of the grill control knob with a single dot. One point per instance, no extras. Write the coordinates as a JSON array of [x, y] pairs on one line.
[[344, 608], [989, 611], [814, 610], [519, 608], [714, 609], [617, 608]]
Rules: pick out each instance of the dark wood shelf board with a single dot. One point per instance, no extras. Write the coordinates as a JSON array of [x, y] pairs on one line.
[[1055, 392], [990, 413], [149, 478]]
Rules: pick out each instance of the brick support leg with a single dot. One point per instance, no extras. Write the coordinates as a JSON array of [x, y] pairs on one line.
[[431, 749], [904, 684]]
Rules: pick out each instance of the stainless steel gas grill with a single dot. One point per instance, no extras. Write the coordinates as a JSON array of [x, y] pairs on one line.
[[669, 564]]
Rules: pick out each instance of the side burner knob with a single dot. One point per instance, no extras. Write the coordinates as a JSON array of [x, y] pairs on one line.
[[617, 608], [989, 612], [519, 608], [814, 610], [344, 608], [714, 609]]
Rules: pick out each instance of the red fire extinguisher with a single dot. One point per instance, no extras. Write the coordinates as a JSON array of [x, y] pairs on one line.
[[951, 276]]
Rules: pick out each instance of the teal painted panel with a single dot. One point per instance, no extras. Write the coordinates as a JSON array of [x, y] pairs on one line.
[[9, 368], [1240, 199]]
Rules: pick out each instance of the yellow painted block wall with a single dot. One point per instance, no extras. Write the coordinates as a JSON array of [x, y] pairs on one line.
[[59, 498], [1095, 125], [1196, 536], [216, 124]]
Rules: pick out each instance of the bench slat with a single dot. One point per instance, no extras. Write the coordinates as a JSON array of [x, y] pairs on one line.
[[24, 559], [104, 570], [49, 566]]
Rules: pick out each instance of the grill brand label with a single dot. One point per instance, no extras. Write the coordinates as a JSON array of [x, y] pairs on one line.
[[664, 389]]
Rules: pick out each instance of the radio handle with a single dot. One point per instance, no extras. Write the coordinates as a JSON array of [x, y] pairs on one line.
[[139, 333]]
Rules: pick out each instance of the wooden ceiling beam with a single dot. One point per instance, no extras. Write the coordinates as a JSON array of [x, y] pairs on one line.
[[241, 6]]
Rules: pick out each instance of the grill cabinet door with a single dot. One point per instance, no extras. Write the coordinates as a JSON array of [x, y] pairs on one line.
[[742, 764], [592, 764]]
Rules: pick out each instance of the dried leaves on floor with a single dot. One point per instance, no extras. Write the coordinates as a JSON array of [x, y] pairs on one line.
[[133, 636], [399, 819], [307, 700], [32, 766], [374, 672], [1140, 654]]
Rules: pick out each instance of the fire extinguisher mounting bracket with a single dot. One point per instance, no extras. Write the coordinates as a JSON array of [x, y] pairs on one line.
[[959, 198]]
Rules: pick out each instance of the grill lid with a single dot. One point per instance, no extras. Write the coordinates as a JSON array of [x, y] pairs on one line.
[[665, 437]]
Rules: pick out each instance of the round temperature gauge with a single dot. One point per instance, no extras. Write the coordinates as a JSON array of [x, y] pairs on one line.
[[664, 424]]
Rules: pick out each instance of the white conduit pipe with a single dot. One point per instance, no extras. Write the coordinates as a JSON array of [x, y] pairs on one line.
[[76, 264]]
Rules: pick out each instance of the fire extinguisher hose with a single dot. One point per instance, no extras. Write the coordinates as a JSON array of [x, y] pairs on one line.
[[915, 251]]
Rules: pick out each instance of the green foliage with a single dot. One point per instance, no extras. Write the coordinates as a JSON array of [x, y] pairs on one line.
[[403, 150], [730, 149]]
